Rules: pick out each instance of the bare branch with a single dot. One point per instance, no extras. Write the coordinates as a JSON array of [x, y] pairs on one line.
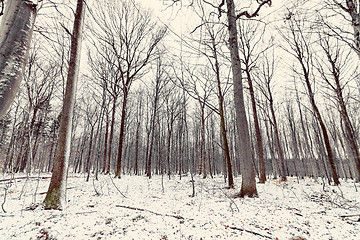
[[2, 8], [256, 13]]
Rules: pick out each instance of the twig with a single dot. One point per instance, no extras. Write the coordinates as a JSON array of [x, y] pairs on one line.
[[37, 187], [159, 214], [356, 190], [249, 231], [11, 215], [96, 191], [86, 212], [116, 187], [232, 200], [2, 205]]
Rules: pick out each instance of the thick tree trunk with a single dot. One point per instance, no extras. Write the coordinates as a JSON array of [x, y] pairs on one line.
[[15, 35], [248, 184], [56, 194]]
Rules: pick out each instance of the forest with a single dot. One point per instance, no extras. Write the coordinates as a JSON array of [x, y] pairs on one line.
[[179, 119]]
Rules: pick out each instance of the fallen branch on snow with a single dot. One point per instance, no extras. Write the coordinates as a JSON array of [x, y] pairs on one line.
[[18, 178], [249, 231], [86, 212], [159, 214], [353, 215]]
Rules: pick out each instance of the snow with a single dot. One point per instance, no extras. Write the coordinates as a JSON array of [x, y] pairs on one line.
[[283, 210]]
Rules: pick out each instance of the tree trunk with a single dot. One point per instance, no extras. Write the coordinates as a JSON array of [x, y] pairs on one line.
[[278, 144], [105, 142], [111, 137], [248, 184], [259, 144], [137, 148], [15, 36], [56, 194], [222, 119], [122, 132]]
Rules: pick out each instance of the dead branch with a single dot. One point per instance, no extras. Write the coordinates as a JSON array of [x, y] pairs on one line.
[[249, 231], [19, 178], [2, 7], [254, 14], [116, 187], [2, 205], [159, 214], [7, 215], [86, 212], [353, 215]]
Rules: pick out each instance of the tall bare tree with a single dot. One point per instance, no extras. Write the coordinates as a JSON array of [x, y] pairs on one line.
[[332, 72], [56, 194], [248, 184], [131, 36], [300, 49], [266, 76], [251, 36]]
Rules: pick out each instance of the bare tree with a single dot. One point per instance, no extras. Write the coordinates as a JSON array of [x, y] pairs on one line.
[[56, 194], [300, 49], [332, 70], [250, 37], [131, 36], [159, 85], [248, 184], [40, 82], [266, 76], [213, 45]]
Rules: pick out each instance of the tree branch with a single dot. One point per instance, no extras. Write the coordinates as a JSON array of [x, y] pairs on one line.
[[256, 13], [156, 213], [249, 231], [2, 8]]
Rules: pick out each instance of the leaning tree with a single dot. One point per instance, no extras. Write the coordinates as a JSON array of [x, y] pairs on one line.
[[15, 36]]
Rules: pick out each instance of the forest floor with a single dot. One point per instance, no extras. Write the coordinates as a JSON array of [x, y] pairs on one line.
[[152, 210]]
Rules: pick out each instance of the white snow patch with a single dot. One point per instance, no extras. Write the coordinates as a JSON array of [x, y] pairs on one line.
[[282, 211]]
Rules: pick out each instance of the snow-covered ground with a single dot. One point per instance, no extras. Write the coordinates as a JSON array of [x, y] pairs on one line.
[[97, 210]]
